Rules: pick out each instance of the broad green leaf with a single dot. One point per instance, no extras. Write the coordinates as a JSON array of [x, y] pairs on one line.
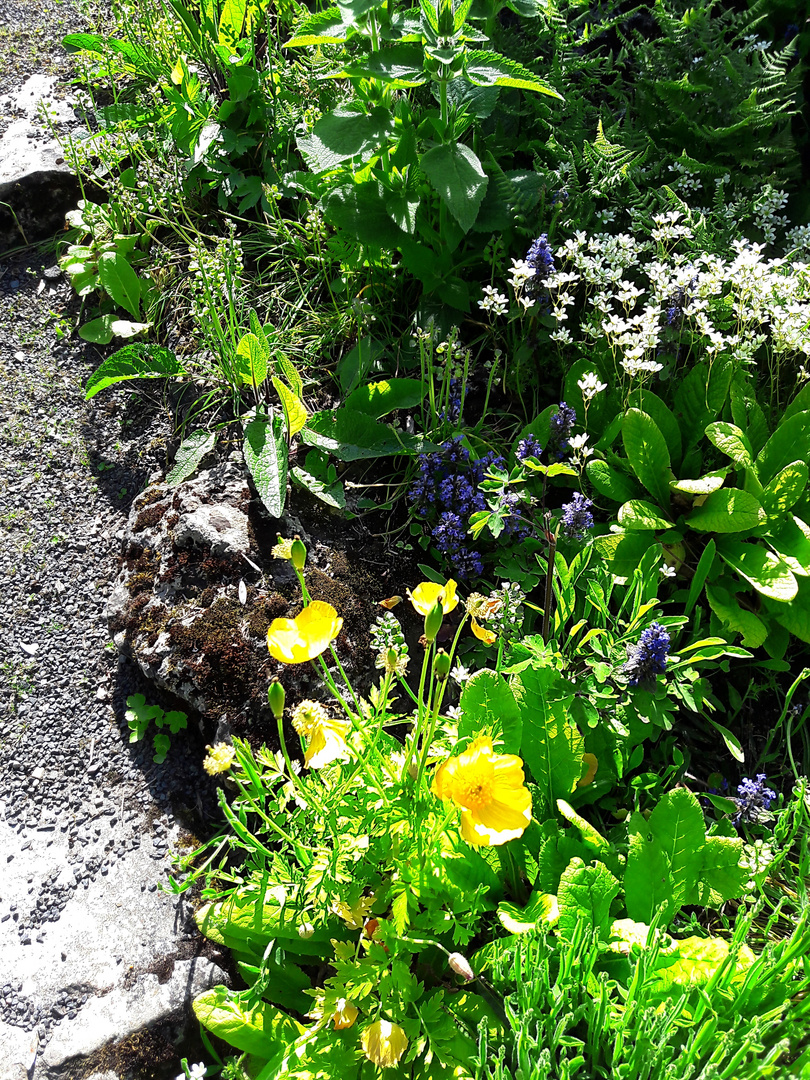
[[747, 413], [555, 853], [610, 482], [764, 570], [346, 133], [729, 510], [736, 618], [800, 403], [731, 441], [458, 176], [295, 412], [590, 835], [355, 365], [351, 435], [785, 489], [189, 455], [792, 544], [640, 516], [672, 838], [551, 746], [252, 1028], [400, 66], [120, 282], [491, 69], [98, 331], [647, 880], [265, 450], [325, 28], [255, 351], [703, 485], [622, 550], [378, 398], [790, 442], [584, 896], [700, 397], [648, 454], [488, 704], [360, 210], [541, 912], [701, 573], [795, 615], [232, 21], [330, 493], [664, 418], [696, 962], [133, 362]]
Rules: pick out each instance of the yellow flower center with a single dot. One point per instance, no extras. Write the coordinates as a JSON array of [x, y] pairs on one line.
[[473, 786]]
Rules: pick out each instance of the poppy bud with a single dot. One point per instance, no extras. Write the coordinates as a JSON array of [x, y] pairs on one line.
[[433, 621], [461, 965], [441, 665], [275, 698], [298, 553]]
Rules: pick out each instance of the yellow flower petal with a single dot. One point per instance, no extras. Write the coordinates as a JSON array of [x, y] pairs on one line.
[[344, 1015], [489, 789], [593, 764], [292, 641], [424, 597], [327, 743], [384, 1043], [482, 633]]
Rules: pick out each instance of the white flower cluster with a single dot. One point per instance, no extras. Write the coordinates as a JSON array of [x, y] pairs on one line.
[[494, 301], [216, 273]]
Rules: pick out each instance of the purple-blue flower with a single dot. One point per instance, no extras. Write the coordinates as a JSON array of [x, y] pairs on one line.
[[753, 799], [528, 447], [562, 424], [577, 517], [648, 657], [541, 258]]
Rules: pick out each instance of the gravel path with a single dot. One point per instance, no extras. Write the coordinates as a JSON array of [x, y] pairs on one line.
[[85, 818]]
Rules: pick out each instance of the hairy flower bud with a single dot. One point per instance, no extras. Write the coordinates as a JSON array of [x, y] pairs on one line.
[[441, 665], [461, 965], [433, 620]]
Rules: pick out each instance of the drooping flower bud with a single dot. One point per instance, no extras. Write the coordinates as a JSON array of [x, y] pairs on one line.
[[441, 665], [433, 621], [461, 965], [275, 698]]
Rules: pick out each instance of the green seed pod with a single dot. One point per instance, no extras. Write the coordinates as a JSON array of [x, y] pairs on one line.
[[275, 698]]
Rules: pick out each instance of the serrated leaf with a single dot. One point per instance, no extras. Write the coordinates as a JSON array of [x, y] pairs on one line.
[[786, 488], [324, 28], [458, 176], [737, 619], [764, 570], [401, 66], [120, 282], [265, 450], [638, 515], [189, 455], [487, 703], [584, 896], [133, 362], [295, 412], [647, 453], [732, 441], [344, 134], [492, 69], [729, 510]]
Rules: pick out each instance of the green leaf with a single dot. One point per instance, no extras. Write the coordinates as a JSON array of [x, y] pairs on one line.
[[648, 454], [590, 835], [458, 176], [637, 515], [189, 455], [663, 416], [378, 398], [786, 488], [795, 614], [98, 331], [731, 741], [265, 450], [729, 510], [733, 442], [700, 396], [551, 747], [792, 545], [400, 66], [764, 570], [491, 69], [622, 551], [295, 413], [694, 964], [800, 403], [255, 350], [346, 133], [133, 362], [735, 618], [252, 1028], [647, 880], [120, 282], [790, 442], [325, 28], [361, 211], [488, 704], [232, 21], [610, 482], [351, 435], [702, 571], [703, 485], [355, 365], [584, 896], [330, 493]]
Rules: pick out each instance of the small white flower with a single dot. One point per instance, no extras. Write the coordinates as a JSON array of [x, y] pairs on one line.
[[667, 571], [590, 385], [494, 301], [460, 673], [577, 442], [520, 273]]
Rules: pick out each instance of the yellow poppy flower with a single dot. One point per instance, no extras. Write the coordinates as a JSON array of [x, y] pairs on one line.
[[424, 596], [326, 735], [292, 641], [384, 1043], [481, 632], [344, 1015], [495, 805]]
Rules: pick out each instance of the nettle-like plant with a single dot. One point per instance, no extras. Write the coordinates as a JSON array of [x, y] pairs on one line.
[[367, 874], [392, 172]]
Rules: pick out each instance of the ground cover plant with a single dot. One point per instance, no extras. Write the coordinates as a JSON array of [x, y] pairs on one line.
[[528, 284]]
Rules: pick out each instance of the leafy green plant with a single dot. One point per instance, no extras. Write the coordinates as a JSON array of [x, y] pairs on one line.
[[139, 716]]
